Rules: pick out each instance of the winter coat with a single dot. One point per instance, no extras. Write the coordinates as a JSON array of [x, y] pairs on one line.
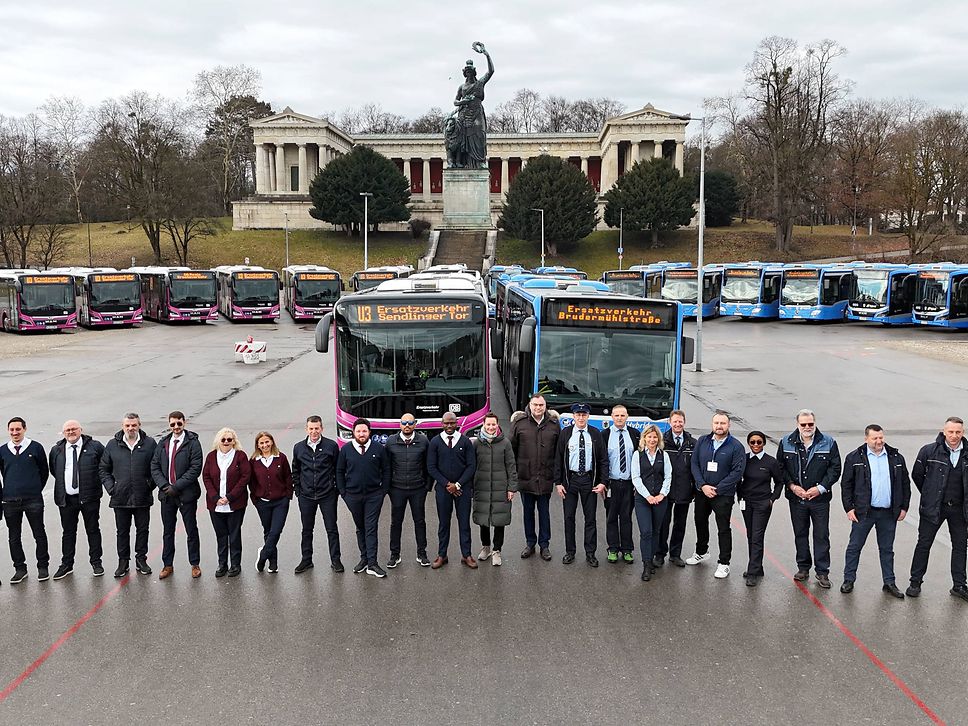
[[89, 454], [496, 475], [126, 473], [188, 467], [534, 451], [683, 486], [930, 475]]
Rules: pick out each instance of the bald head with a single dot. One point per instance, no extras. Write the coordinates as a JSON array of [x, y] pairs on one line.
[[72, 431]]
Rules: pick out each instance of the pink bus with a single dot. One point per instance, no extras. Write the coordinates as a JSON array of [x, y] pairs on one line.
[[32, 300]]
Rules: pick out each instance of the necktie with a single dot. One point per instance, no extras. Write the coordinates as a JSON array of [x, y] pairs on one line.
[[362, 450], [75, 476], [621, 450], [450, 441], [678, 442], [16, 449], [581, 452], [171, 464]]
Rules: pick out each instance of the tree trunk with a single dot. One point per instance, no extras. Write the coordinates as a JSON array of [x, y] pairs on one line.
[[655, 238]]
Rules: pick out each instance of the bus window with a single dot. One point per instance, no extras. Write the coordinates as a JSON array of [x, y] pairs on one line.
[[959, 298], [771, 288]]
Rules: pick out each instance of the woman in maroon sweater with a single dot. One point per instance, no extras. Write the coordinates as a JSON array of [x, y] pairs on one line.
[[226, 473], [271, 486]]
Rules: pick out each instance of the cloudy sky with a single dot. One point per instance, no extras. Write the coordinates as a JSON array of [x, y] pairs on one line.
[[406, 56]]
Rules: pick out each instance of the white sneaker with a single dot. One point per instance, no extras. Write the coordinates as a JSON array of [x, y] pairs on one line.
[[496, 558], [696, 559], [722, 572], [485, 553]]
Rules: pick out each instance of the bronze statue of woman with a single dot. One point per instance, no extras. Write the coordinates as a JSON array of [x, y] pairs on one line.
[[466, 128]]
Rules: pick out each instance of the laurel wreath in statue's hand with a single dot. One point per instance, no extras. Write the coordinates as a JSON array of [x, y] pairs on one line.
[[477, 46]]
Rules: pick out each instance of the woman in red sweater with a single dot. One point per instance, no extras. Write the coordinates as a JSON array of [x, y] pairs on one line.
[[271, 486], [226, 473]]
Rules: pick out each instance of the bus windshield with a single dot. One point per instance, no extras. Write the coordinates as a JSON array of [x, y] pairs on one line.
[[193, 291], [870, 286], [47, 298], [627, 287], [800, 291], [256, 292], [741, 286], [933, 291], [316, 291], [604, 367], [110, 294], [683, 289]]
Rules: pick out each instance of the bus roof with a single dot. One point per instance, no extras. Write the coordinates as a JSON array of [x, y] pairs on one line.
[[157, 269], [430, 284], [308, 268], [229, 269], [14, 272]]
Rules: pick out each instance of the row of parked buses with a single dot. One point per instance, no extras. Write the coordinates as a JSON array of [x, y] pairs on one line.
[[104, 297]]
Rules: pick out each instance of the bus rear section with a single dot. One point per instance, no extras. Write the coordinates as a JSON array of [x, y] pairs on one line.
[[941, 296], [680, 284], [751, 290], [32, 301], [109, 299], [310, 291], [815, 292], [419, 349], [248, 293], [883, 293]]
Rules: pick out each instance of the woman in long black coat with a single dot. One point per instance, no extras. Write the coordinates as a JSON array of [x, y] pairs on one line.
[[495, 484]]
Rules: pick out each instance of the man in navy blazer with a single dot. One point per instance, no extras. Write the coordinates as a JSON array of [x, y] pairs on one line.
[[363, 480], [452, 463]]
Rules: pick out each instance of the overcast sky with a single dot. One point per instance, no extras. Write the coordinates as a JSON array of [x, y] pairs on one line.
[[407, 56]]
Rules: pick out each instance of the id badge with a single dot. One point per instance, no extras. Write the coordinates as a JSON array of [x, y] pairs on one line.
[[742, 505], [712, 466]]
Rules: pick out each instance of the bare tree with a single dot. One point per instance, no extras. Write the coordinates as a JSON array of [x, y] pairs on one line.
[[52, 242], [190, 203], [67, 123], [557, 115], [430, 122], [590, 114]]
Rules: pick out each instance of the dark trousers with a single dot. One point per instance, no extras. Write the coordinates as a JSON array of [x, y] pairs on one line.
[[757, 516], [676, 515], [169, 519], [722, 507], [307, 513], [228, 536], [618, 515], [803, 514], [122, 520], [366, 509], [955, 516], [446, 504], [885, 523], [498, 537], [579, 490], [529, 502], [273, 515], [69, 514], [649, 518], [14, 512], [399, 499]]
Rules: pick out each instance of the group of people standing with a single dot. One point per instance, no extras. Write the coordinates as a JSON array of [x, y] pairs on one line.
[[656, 476]]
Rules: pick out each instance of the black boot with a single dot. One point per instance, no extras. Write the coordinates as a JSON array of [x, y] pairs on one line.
[[122, 569]]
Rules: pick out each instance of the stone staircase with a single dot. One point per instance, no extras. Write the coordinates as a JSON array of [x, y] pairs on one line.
[[456, 247]]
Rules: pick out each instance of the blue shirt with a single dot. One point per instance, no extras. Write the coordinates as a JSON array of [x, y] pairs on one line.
[[880, 478], [573, 450], [955, 454], [614, 460]]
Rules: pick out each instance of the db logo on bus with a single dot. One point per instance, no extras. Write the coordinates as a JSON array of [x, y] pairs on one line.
[[454, 408]]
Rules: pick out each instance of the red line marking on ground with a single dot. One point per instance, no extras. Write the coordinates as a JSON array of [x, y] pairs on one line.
[[891, 675]]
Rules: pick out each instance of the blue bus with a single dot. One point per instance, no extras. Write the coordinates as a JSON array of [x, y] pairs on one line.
[[680, 284], [751, 290], [491, 277], [558, 270], [883, 293], [815, 292], [600, 348], [639, 280], [941, 296]]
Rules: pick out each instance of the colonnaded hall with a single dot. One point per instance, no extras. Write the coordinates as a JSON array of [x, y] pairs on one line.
[[290, 148]]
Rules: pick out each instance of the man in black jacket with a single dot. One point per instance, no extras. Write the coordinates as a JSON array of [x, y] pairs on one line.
[[451, 463], [175, 469], [581, 469], [407, 454], [126, 477], [811, 463], [679, 445], [941, 475], [75, 462], [876, 493], [534, 438], [314, 481], [24, 470]]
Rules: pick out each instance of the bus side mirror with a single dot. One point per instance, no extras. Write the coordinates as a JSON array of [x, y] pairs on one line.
[[688, 352], [322, 333], [497, 342], [18, 285], [526, 339]]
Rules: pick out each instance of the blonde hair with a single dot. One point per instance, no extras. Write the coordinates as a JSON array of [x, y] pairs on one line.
[[264, 435], [225, 431], [647, 429]]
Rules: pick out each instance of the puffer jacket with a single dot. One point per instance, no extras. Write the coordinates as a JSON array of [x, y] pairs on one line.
[[534, 451], [930, 475], [496, 475], [126, 473], [408, 462]]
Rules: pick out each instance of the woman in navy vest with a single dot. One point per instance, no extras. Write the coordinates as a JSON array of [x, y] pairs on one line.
[[652, 479]]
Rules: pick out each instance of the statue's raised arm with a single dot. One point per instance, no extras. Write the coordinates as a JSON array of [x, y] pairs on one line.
[[478, 47]]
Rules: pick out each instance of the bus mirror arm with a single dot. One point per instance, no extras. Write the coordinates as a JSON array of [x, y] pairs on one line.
[[688, 350], [526, 339], [322, 333]]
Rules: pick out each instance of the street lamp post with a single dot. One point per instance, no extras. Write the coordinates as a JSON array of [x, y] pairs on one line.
[[621, 228], [366, 228], [702, 229], [542, 235], [287, 239]]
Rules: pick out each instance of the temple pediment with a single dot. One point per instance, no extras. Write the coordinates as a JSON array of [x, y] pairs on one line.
[[288, 117], [646, 113]]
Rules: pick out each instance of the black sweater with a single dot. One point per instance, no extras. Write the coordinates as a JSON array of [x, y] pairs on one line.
[[357, 474], [755, 484]]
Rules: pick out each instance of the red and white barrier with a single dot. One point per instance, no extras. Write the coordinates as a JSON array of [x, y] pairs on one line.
[[250, 351]]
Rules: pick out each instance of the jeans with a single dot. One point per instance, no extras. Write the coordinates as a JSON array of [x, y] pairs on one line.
[[14, 512], [228, 536], [273, 515], [722, 507], [543, 504], [69, 514], [122, 520], [803, 514], [886, 524], [399, 499], [169, 518], [307, 513]]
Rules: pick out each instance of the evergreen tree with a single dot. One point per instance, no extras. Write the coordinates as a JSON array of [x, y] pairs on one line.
[[722, 198], [654, 196], [335, 191], [562, 191]]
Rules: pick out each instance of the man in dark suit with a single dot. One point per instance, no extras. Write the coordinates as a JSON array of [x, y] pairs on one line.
[[363, 480], [314, 481], [75, 461], [175, 468], [581, 469], [452, 463], [24, 470], [679, 445]]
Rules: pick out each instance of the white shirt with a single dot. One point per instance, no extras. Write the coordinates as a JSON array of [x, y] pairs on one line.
[[132, 444], [407, 440], [24, 443], [224, 462], [366, 446], [759, 455], [267, 460], [69, 465], [456, 436], [313, 444], [666, 474]]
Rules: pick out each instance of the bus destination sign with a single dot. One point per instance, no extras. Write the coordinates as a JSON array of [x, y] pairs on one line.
[[117, 277], [438, 312], [255, 275], [45, 279], [743, 272], [681, 273], [622, 275], [376, 275], [610, 314], [317, 276], [191, 275], [803, 273]]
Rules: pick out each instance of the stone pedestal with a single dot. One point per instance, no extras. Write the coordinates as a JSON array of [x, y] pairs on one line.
[[467, 201]]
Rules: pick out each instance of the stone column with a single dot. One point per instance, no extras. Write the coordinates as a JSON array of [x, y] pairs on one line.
[[658, 149], [680, 153], [636, 150], [271, 180], [281, 185], [505, 180], [260, 169], [426, 180], [584, 166], [406, 171], [609, 167], [303, 170]]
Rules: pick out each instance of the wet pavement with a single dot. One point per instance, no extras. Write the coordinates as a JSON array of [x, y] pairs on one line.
[[528, 642]]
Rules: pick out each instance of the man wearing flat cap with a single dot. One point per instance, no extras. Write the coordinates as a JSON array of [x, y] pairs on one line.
[[581, 466]]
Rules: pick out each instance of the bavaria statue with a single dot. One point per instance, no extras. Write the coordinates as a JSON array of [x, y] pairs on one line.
[[465, 130]]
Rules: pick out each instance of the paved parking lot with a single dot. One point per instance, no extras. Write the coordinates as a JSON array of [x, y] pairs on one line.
[[529, 642]]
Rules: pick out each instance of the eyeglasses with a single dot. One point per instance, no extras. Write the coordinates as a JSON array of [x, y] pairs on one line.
[[408, 423], [756, 442], [806, 425], [227, 441], [177, 424]]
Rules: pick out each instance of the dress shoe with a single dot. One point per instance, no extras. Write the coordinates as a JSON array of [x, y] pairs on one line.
[[658, 561], [222, 571], [141, 565], [196, 572], [303, 566], [752, 581], [122, 569], [891, 589], [43, 574], [438, 563], [646, 574], [166, 572], [568, 559], [470, 562], [359, 567], [914, 590], [677, 561], [802, 575], [235, 571], [63, 571], [960, 591], [847, 587], [261, 562], [546, 554], [592, 560], [98, 570], [527, 552], [823, 581], [335, 565]]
